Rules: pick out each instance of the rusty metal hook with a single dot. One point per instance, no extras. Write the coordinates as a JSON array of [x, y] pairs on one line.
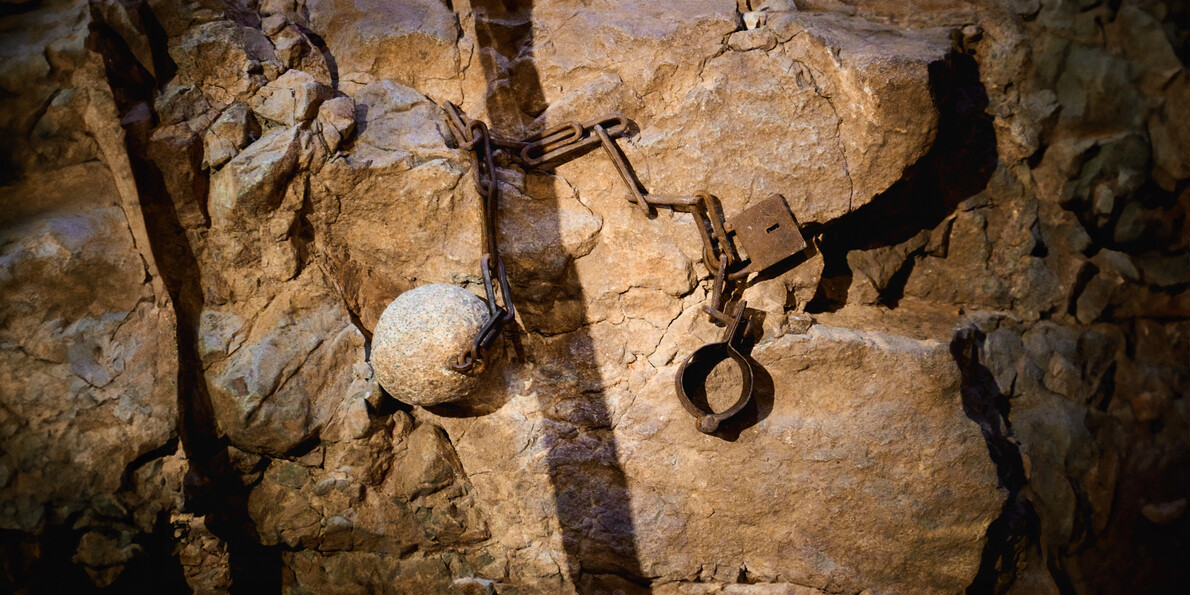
[[699, 365]]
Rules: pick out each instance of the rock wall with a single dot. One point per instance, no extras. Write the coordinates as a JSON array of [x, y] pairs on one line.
[[973, 380]]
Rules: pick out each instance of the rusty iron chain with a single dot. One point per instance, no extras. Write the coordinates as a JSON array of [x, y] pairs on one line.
[[473, 136], [766, 231]]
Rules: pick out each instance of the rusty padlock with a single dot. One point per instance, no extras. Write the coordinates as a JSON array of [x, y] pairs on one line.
[[767, 233]]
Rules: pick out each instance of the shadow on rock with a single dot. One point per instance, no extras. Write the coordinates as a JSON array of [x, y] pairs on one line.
[[958, 166]]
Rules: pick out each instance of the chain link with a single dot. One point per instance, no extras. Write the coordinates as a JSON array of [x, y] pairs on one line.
[[474, 136], [553, 147], [766, 231]]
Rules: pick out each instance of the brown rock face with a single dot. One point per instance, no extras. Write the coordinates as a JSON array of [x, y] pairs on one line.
[[971, 380], [835, 450], [90, 364], [412, 43], [286, 371], [88, 344]]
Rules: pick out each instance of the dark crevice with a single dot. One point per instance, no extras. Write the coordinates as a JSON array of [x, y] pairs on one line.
[[1016, 534], [158, 570], [45, 563], [302, 230], [304, 448], [1105, 389], [610, 582], [165, 450], [320, 45], [212, 486], [894, 290], [1040, 250], [1084, 276], [958, 165], [11, 9], [389, 405], [163, 65], [129, 80], [1017, 529]]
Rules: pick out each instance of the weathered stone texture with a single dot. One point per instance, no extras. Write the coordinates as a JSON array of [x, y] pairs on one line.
[[88, 346], [972, 379], [770, 492], [419, 339], [90, 365]]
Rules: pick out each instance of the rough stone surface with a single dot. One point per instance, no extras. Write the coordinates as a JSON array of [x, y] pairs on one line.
[[252, 182], [276, 379], [88, 345], [413, 43], [90, 365], [973, 379], [416, 338], [235, 129], [294, 97], [823, 399], [225, 60]]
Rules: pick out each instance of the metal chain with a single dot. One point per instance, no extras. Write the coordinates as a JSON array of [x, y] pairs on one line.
[[719, 254], [767, 231], [473, 135], [562, 143]]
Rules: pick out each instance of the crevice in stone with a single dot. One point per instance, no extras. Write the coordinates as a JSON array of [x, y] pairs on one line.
[[45, 563], [806, 71], [1018, 527], [1085, 274], [894, 290], [302, 230], [10, 9], [958, 165], [130, 469], [164, 67], [320, 44], [212, 486]]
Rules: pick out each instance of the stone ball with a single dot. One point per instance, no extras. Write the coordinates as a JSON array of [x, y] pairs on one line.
[[417, 336]]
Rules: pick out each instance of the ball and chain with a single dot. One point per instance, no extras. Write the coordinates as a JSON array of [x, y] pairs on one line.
[[753, 241]]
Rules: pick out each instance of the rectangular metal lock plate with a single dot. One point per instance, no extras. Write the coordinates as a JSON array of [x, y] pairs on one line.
[[767, 233]]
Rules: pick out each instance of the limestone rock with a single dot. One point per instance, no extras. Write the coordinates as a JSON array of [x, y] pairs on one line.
[[794, 363], [1171, 134], [291, 99], [1165, 513], [395, 212], [355, 503], [104, 557], [417, 337], [272, 24], [315, 572], [225, 60], [235, 129], [281, 376], [250, 184], [337, 119], [207, 206], [412, 43], [203, 556], [899, 417], [82, 324], [799, 111]]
